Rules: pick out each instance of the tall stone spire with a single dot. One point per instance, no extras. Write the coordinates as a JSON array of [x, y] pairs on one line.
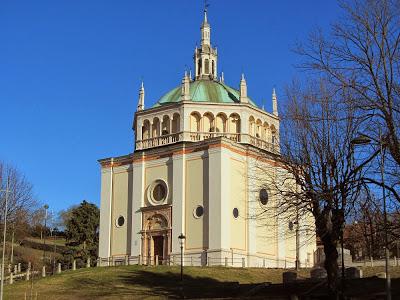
[[205, 30], [205, 57], [141, 98], [274, 103], [185, 94], [243, 90]]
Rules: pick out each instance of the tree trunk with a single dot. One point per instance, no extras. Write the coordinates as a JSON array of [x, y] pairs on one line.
[[331, 264]]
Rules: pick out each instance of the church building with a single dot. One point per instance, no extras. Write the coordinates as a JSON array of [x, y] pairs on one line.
[[200, 156]]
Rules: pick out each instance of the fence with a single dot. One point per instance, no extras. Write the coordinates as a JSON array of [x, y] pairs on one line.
[[394, 262], [204, 260], [16, 272]]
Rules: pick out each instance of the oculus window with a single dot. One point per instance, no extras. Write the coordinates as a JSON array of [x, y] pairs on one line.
[[235, 213], [120, 221], [263, 196], [157, 192], [198, 211]]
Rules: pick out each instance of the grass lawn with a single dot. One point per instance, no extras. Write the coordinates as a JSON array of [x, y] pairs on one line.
[[139, 282], [49, 240], [136, 282]]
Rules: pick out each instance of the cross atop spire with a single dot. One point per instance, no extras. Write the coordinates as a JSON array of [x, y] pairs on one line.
[[205, 28], [206, 5]]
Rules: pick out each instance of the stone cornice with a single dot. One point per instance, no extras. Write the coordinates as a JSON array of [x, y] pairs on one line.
[[190, 147]]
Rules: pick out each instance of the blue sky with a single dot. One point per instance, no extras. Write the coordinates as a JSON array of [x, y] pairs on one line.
[[70, 73]]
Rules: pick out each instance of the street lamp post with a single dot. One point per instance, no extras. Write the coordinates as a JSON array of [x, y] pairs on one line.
[[364, 140], [181, 238], [44, 233], [4, 239]]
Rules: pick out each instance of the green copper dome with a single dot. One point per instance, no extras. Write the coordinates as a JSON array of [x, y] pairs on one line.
[[204, 91]]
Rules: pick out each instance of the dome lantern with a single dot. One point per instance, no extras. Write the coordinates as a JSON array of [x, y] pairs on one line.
[[205, 57]]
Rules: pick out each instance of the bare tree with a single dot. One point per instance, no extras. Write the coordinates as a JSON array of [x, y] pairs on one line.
[[318, 172], [362, 54], [21, 201]]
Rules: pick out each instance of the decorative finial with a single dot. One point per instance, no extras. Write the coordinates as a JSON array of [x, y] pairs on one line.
[[206, 5], [185, 91], [222, 77], [243, 90], [274, 103], [141, 97]]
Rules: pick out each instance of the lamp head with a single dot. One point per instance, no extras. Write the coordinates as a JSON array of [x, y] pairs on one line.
[[362, 139]]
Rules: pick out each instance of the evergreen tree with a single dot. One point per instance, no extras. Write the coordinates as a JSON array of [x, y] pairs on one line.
[[82, 225]]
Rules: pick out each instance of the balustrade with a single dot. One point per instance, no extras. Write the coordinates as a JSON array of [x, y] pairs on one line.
[[201, 136]]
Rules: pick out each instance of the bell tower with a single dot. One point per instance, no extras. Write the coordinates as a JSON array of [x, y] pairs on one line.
[[205, 57]]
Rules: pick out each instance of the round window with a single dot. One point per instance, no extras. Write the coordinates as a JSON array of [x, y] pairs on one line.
[[235, 213], [120, 221], [198, 211], [263, 196], [157, 192]]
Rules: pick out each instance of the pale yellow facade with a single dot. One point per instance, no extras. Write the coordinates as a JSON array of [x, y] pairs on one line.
[[202, 162]]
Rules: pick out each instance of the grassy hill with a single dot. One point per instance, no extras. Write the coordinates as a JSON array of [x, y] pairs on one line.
[[31, 250], [136, 282], [139, 282]]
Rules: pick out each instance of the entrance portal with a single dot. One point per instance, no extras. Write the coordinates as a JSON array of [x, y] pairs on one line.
[[156, 235], [159, 248]]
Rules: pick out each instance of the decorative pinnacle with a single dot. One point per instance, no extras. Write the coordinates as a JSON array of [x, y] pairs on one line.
[[141, 97], [206, 5], [274, 103]]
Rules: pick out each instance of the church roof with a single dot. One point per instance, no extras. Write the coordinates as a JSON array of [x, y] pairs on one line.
[[204, 91]]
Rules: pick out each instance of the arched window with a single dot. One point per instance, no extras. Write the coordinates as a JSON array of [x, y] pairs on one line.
[[220, 123], [207, 66], [165, 126], [146, 130], [155, 130], [176, 123], [199, 67], [251, 126], [213, 66], [258, 128], [208, 120], [273, 135], [264, 134], [234, 125], [195, 122]]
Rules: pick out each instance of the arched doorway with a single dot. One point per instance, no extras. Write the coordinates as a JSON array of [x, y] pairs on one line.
[[156, 236]]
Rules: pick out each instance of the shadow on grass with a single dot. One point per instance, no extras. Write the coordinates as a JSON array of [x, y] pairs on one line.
[[149, 283], [168, 284]]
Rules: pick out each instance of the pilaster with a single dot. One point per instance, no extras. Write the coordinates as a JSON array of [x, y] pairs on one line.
[[137, 203], [178, 200], [219, 196], [105, 212], [251, 212]]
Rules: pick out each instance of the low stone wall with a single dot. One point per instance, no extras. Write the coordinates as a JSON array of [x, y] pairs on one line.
[[226, 259]]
